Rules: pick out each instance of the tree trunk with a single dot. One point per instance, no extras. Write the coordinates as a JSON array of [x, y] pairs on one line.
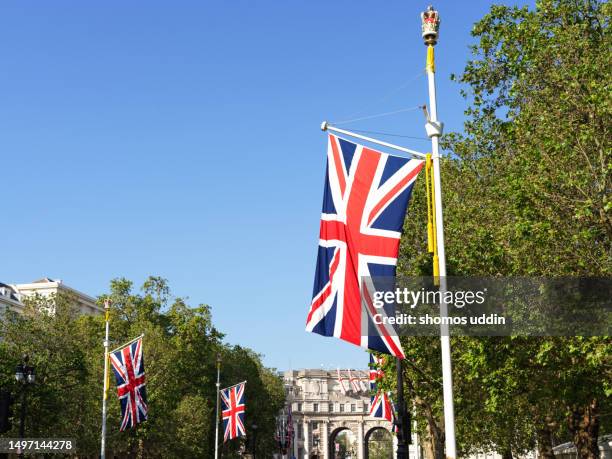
[[507, 454], [433, 444], [428, 449], [545, 445], [583, 423]]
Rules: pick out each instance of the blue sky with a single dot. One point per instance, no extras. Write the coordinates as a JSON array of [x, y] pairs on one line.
[[182, 140]]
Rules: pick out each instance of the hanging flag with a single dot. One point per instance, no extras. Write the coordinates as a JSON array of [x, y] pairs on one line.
[[365, 199], [233, 408], [354, 383], [289, 428], [395, 417], [381, 407], [363, 385], [376, 372], [128, 366], [341, 382]]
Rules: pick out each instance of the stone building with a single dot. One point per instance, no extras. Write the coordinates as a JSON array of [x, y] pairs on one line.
[[13, 295], [321, 410]]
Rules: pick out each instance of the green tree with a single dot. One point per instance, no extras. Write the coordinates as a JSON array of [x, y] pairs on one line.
[[526, 192], [180, 349]]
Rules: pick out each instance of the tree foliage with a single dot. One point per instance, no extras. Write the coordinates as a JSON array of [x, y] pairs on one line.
[[526, 191], [181, 345]]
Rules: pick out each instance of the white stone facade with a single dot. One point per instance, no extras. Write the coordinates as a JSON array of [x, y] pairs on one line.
[[320, 410], [13, 295]]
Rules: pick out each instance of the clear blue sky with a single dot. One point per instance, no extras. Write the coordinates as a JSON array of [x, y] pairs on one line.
[[182, 140]]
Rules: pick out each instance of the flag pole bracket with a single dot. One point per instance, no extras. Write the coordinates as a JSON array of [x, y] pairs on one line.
[[434, 128], [325, 126]]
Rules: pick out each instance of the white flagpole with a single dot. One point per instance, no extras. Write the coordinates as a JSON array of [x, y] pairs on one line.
[[430, 21], [105, 384], [217, 407]]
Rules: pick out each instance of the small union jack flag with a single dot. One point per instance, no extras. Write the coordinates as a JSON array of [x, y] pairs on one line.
[[128, 366], [354, 383], [365, 199], [376, 372], [341, 382], [381, 405], [233, 408]]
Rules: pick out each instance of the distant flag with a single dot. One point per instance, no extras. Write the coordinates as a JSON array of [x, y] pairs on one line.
[[395, 412], [363, 385], [365, 199], [284, 430], [354, 383], [232, 410], [381, 406], [289, 427], [341, 382], [376, 373], [128, 366]]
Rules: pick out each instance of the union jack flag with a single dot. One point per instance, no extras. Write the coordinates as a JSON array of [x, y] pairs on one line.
[[381, 406], [363, 385], [365, 199], [341, 381], [128, 366], [354, 383], [232, 409], [376, 373]]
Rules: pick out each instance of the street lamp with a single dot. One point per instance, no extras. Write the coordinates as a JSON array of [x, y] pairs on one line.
[[282, 433], [25, 375]]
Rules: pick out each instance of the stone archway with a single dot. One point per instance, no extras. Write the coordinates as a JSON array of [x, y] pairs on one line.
[[371, 434], [332, 439]]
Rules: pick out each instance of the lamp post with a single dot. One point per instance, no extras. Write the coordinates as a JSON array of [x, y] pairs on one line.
[[402, 421], [282, 433], [25, 375]]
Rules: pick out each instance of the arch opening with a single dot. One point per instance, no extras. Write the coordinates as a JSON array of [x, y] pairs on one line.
[[342, 444], [378, 444]]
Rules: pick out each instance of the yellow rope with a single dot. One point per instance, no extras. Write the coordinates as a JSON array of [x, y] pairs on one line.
[[107, 356], [430, 235], [107, 377], [430, 65], [431, 209]]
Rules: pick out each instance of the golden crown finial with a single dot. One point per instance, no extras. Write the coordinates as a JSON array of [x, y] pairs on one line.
[[430, 24]]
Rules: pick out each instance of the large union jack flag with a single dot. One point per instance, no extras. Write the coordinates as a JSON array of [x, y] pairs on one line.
[[232, 409], [364, 204], [128, 366]]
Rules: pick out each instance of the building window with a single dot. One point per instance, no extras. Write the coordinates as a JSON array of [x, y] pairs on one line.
[[341, 408], [299, 408], [300, 431], [353, 408], [315, 407], [330, 408]]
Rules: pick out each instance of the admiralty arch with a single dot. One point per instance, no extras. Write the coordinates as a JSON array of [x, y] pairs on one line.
[[321, 411]]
